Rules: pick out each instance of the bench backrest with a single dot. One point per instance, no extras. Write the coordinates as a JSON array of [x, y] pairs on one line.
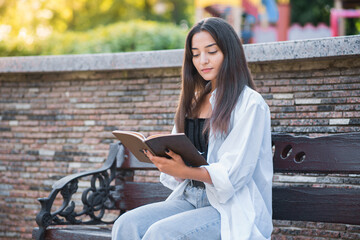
[[332, 154]]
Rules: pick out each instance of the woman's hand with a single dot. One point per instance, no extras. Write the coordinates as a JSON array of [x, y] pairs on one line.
[[174, 166]]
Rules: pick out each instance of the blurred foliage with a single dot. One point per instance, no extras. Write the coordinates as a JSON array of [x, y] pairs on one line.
[[80, 15], [311, 11], [352, 26], [33, 27], [137, 35]]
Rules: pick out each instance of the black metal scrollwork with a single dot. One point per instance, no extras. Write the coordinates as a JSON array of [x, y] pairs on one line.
[[96, 199]]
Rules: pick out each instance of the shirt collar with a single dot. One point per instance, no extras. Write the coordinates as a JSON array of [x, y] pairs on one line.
[[212, 98]]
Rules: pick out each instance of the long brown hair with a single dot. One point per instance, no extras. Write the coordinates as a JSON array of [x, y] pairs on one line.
[[233, 75]]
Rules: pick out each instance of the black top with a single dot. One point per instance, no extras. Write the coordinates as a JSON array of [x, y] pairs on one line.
[[194, 131]]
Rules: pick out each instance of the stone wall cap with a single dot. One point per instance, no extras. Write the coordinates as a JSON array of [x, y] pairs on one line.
[[304, 49], [92, 62], [255, 53]]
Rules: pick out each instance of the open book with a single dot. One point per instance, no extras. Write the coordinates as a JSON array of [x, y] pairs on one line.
[[157, 144]]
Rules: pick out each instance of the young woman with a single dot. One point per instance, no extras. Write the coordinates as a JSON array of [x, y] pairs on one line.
[[229, 122]]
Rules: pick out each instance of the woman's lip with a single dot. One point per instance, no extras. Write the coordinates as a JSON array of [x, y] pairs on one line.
[[205, 70]]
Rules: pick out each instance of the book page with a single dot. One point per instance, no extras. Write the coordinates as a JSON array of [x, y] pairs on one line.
[[157, 135], [137, 134], [134, 142]]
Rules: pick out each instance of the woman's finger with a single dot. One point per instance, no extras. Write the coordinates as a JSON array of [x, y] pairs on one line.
[[154, 159], [147, 153], [172, 154]]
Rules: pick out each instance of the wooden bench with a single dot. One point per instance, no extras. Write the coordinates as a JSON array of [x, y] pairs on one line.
[[112, 187]]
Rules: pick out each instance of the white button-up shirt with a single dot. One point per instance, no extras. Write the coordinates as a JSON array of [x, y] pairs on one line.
[[241, 170]]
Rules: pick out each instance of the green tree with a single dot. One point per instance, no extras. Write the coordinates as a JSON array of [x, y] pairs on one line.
[[24, 24], [136, 35], [39, 17], [311, 11]]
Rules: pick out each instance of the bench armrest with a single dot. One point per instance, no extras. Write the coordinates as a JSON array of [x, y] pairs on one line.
[[95, 199]]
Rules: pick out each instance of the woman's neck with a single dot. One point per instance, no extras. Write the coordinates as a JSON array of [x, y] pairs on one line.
[[205, 109]]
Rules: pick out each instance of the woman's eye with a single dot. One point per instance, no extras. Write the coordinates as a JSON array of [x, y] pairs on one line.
[[213, 52], [195, 55]]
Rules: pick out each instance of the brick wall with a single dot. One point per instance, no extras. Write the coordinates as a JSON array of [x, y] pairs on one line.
[[312, 97], [55, 124]]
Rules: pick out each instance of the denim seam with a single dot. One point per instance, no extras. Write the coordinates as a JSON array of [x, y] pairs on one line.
[[198, 197], [202, 227]]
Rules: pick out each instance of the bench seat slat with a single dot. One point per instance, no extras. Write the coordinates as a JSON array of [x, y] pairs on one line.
[[76, 233], [337, 205]]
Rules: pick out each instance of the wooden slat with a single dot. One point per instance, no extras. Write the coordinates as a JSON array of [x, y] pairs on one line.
[[136, 194], [338, 153], [76, 233], [336, 205]]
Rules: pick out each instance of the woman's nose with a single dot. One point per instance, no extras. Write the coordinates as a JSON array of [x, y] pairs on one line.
[[204, 59]]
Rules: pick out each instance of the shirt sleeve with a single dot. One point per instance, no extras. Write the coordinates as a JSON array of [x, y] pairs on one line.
[[239, 153]]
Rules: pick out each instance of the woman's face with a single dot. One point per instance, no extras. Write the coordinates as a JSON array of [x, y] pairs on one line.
[[207, 56]]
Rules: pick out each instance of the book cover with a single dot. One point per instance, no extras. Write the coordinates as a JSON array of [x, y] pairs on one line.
[[157, 144]]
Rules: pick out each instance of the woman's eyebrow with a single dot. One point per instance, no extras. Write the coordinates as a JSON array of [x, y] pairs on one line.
[[212, 44]]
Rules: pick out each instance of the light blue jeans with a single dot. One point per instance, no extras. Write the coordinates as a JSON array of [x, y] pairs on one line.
[[189, 217]]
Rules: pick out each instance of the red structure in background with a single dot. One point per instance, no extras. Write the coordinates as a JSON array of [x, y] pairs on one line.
[[283, 24], [335, 16]]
